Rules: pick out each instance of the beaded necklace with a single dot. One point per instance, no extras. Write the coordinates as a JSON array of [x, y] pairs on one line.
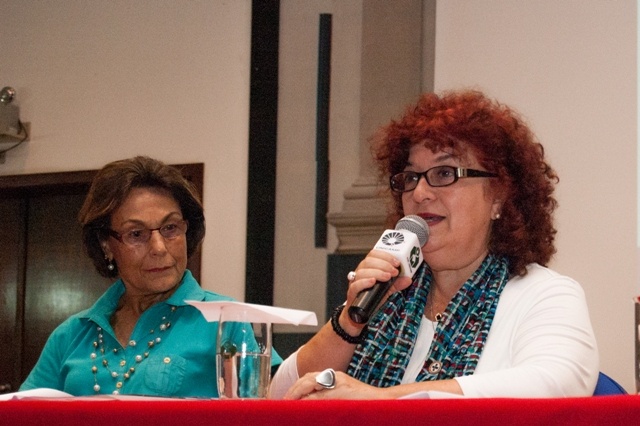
[[124, 372]]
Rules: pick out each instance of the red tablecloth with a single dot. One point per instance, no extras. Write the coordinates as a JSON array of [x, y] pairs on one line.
[[605, 410]]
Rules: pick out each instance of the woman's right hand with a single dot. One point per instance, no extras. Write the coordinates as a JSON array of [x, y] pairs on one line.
[[377, 266]]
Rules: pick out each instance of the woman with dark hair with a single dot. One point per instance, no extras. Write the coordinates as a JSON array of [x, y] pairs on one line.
[[484, 316], [141, 221]]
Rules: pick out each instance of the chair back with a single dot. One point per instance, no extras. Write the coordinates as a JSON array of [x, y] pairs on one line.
[[607, 386]]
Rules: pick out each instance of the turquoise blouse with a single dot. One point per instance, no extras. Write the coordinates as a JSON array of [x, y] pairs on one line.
[[172, 351]]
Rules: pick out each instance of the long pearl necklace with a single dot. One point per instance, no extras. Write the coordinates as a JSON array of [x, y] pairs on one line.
[[120, 377]]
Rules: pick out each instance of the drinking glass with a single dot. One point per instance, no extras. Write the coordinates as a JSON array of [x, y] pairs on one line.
[[243, 355]]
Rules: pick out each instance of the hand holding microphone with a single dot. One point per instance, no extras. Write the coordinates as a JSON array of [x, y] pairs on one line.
[[404, 243]]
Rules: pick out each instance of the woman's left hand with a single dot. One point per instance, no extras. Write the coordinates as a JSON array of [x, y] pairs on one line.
[[346, 387]]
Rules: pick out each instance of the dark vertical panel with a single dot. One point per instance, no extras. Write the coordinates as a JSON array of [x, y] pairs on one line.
[[263, 115], [322, 130], [12, 225]]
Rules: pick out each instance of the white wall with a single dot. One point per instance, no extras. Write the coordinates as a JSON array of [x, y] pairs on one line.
[[105, 80], [569, 67]]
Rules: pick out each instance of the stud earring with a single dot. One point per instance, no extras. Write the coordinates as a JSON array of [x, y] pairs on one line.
[[497, 216]]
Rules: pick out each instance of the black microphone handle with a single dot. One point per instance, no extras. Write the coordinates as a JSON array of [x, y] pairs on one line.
[[368, 300]]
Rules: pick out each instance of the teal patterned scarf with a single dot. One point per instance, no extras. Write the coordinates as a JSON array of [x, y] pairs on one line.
[[459, 336]]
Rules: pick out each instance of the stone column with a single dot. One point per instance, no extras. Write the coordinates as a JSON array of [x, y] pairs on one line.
[[397, 64]]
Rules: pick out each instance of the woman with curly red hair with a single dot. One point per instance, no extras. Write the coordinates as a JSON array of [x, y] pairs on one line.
[[484, 316]]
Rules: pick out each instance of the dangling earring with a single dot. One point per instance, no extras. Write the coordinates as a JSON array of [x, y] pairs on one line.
[[110, 265]]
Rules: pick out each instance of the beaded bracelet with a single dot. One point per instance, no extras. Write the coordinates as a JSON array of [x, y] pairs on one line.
[[354, 340]]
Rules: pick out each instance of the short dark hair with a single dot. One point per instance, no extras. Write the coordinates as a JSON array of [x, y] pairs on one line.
[[113, 183]]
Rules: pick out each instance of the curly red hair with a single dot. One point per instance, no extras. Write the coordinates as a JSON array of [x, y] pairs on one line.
[[466, 122]]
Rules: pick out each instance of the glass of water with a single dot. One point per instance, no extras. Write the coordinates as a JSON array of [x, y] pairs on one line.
[[243, 355]]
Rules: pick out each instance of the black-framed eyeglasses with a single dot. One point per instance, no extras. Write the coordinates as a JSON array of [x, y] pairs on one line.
[[141, 236], [435, 176]]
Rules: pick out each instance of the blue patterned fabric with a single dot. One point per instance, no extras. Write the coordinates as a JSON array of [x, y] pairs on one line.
[[459, 336]]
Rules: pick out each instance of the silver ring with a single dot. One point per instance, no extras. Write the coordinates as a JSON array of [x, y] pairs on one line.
[[327, 378], [351, 276]]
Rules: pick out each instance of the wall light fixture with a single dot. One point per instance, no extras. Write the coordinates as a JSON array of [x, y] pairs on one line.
[[13, 132]]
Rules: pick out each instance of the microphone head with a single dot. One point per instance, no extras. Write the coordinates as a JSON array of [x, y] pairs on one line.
[[417, 225]]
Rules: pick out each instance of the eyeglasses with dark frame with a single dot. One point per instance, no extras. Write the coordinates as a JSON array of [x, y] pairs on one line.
[[436, 177], [140, 237]]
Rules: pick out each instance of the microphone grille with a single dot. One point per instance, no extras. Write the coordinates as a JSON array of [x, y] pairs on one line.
[[417, 225]]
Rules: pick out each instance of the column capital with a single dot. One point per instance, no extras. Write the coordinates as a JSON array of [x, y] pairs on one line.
[[362, 219], [394, 65]]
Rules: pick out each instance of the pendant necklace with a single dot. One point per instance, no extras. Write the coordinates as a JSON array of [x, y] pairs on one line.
[[125, 372], [438, 316], [433, 366]]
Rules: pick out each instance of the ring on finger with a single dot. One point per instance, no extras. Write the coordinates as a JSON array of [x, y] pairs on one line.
[[327, 378], [351, 276]]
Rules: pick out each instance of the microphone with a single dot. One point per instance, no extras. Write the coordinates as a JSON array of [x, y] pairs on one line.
[[404, 242]]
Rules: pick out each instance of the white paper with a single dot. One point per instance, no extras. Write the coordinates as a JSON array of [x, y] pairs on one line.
[[431, 395], [256, 313], [35, 393], [54, 394]]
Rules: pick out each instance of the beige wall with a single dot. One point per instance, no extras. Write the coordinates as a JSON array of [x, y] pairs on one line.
[[104, 80], [570, 68], [300, 268], [373, 74]]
